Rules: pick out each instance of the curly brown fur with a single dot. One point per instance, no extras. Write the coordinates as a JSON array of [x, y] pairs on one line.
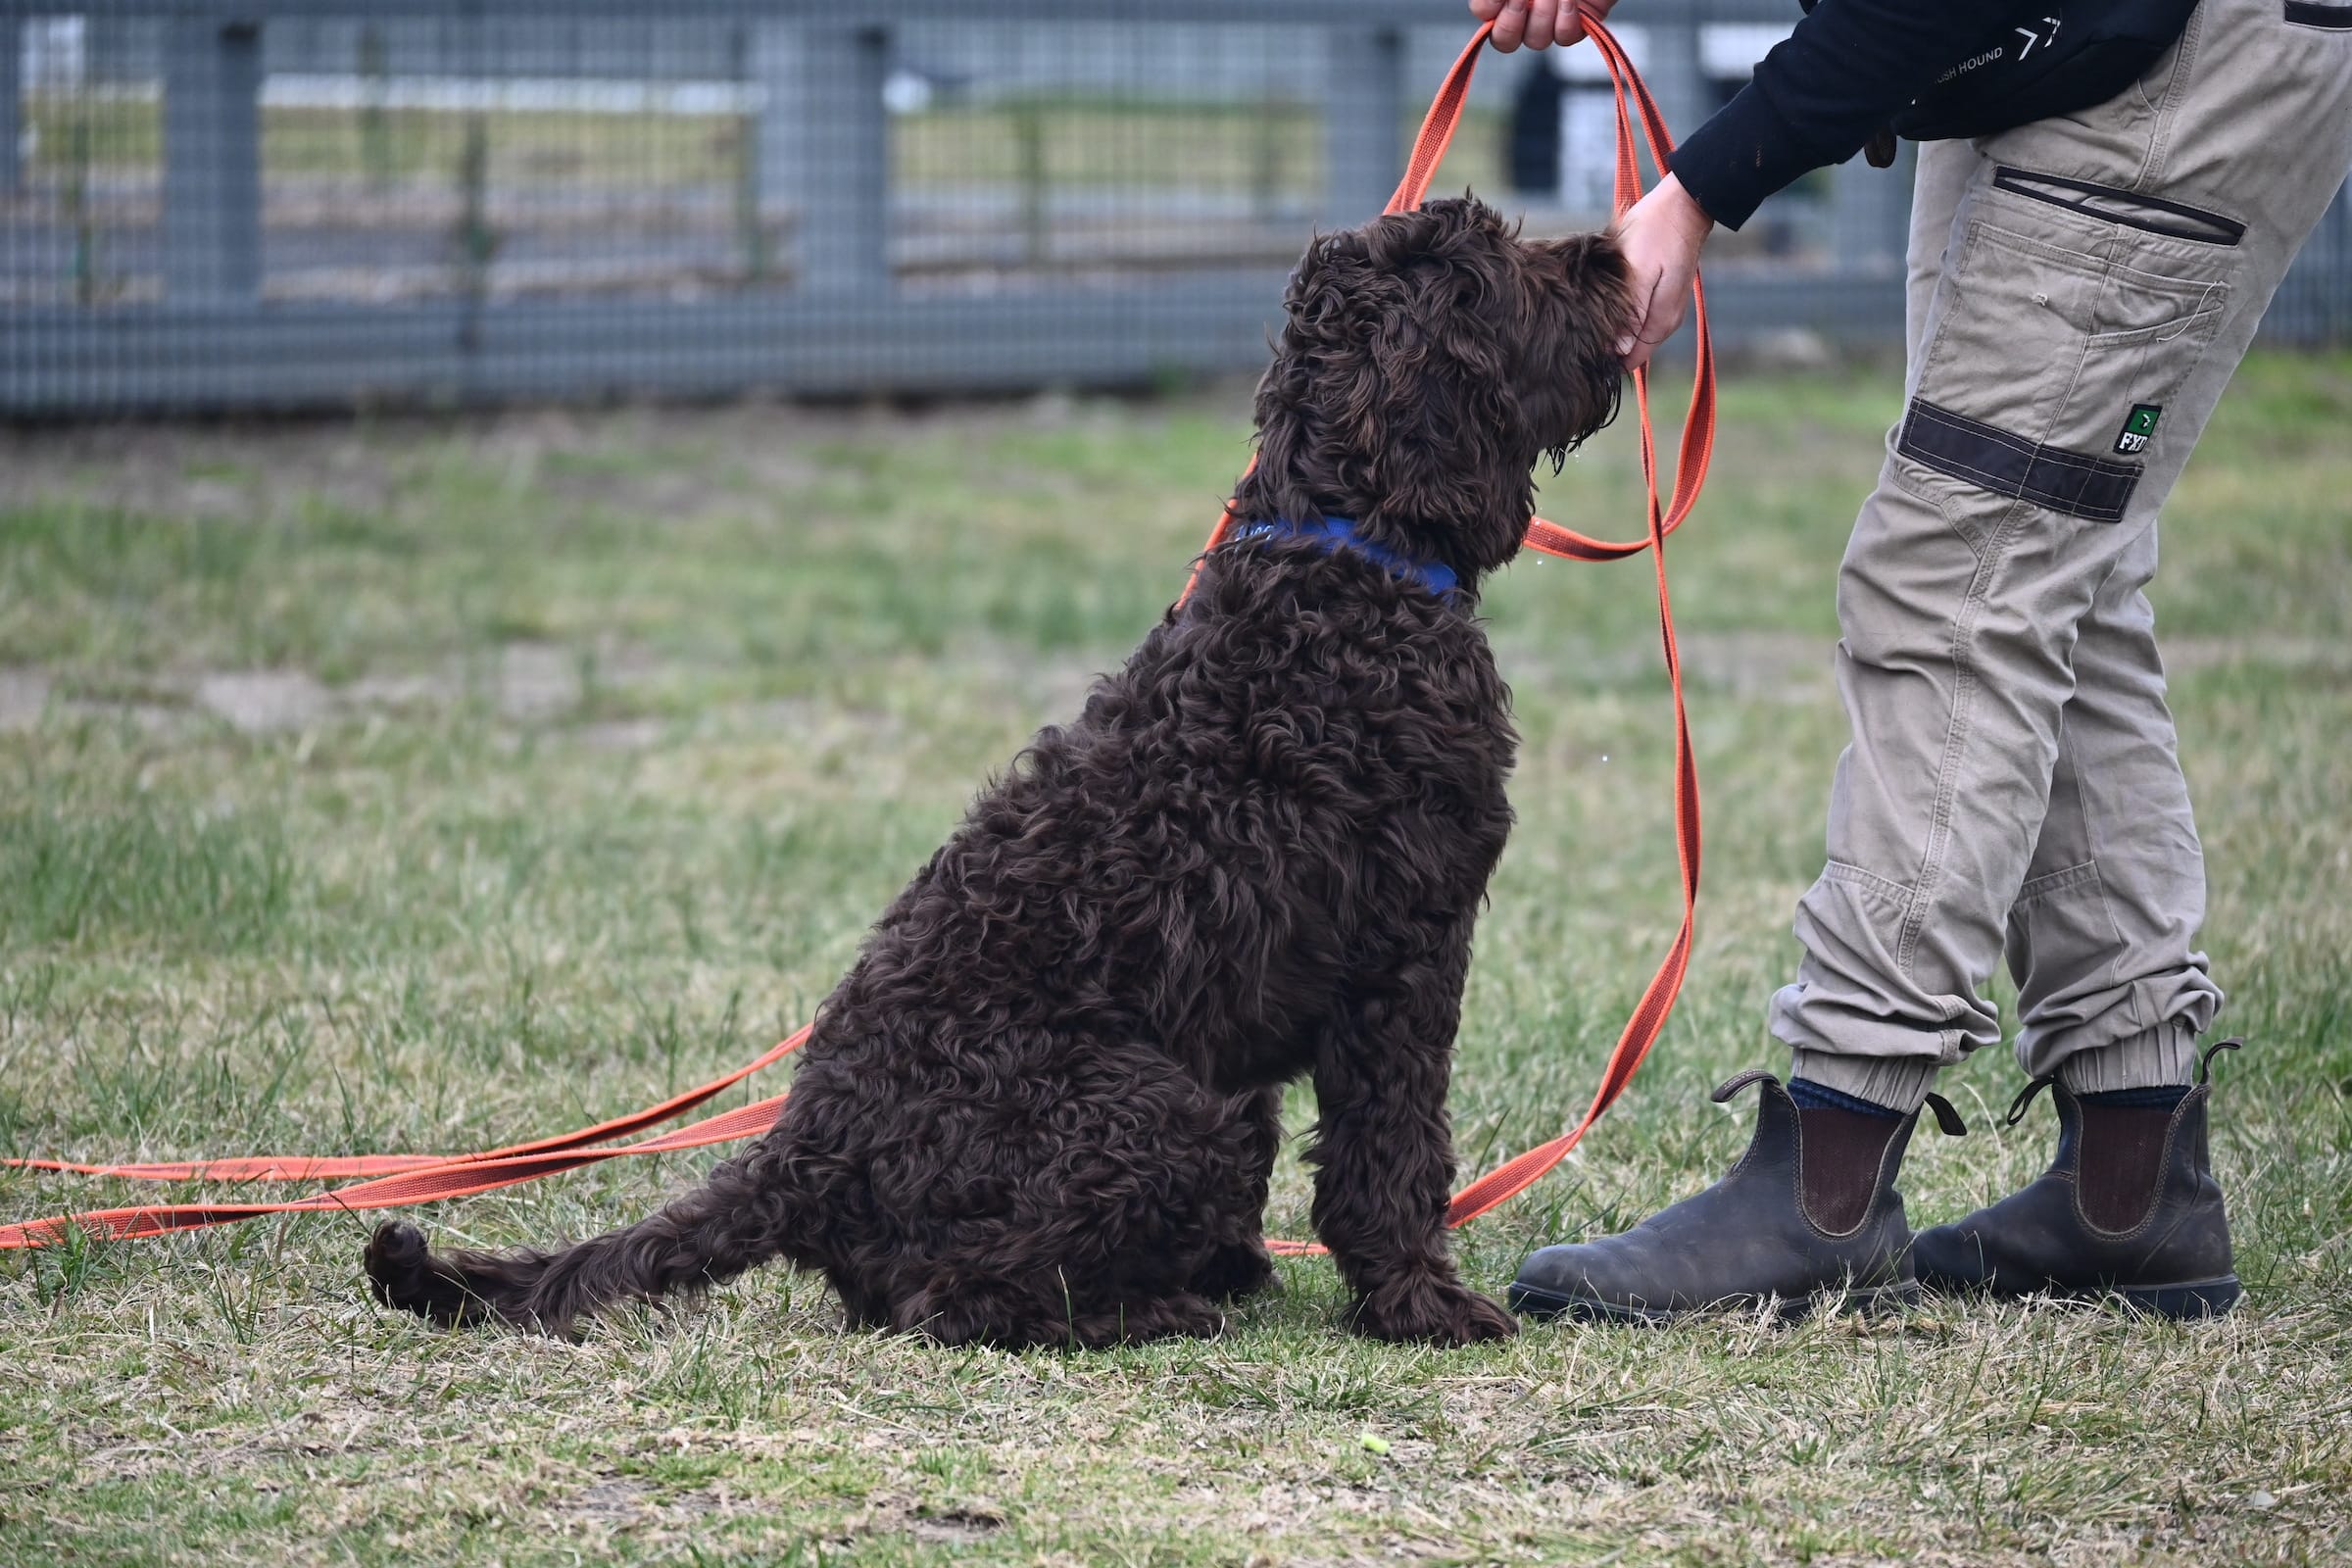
[[1042, 1107]]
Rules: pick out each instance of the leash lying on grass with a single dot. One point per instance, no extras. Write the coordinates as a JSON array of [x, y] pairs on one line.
[[398, 1181]]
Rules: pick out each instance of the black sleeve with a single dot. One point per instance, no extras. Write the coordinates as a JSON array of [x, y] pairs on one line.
[[1849, 67]]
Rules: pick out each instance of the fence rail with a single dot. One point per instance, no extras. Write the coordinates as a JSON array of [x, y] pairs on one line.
[[247, 204]]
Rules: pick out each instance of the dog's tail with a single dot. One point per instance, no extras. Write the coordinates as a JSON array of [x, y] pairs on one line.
[[737, 1220]]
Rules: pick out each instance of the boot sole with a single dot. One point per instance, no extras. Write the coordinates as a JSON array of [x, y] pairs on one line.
[[2199, 1299], [1542, 1305], [2184, 1302]]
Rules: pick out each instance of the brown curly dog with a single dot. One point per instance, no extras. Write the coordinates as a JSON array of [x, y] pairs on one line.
[[1042, 1106]]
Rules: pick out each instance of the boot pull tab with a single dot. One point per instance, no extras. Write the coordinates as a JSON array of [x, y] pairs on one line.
[[2025, 1097], [2205, 1063], [1739, 1081], [1946, 1118]]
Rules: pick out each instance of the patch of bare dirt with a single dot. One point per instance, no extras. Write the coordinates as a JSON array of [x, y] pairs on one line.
[[956, 1525], [23, 697], [537, 682], [264, 702], [618, 1498]]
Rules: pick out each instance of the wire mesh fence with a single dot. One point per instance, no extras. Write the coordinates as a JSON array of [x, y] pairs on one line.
[[293, 202]]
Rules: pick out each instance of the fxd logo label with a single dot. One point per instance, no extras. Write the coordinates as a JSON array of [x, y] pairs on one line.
[[2138, 427]]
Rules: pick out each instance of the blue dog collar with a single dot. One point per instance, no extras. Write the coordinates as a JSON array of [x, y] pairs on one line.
[[1338, 533]]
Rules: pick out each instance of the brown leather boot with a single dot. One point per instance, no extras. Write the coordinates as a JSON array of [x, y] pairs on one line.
[[1810, 1211], [2128, 1210]]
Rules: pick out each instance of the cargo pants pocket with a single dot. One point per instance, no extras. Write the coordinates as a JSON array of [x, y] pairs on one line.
[[2069, 318]]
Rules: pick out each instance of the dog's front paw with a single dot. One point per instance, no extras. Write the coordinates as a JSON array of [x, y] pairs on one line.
[[1431, 1309]]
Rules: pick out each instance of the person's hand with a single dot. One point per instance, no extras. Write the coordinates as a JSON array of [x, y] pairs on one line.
[[1663, 234], [1537, 23], [1660, 236]]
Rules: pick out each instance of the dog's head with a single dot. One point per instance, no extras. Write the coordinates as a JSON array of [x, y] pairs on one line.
[[1428, 361]]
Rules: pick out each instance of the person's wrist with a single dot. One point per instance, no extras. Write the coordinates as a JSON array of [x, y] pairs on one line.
[[1683, 210]]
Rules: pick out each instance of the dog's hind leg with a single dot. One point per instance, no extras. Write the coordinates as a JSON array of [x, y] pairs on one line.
[[1239, 1266], [965, 1309], [861, 1308], [1021, 1315], [993, 1309], [1182, 1315], [1074, 1216]]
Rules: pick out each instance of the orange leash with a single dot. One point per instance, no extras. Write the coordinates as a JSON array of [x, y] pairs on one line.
[[402, 1180], [1516, 1175]]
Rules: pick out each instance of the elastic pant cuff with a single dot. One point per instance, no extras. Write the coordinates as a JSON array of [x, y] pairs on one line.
[[1899, 1083], [2152, 1058]]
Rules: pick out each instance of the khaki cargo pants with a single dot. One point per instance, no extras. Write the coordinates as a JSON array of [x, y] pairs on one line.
[[2081, 291]]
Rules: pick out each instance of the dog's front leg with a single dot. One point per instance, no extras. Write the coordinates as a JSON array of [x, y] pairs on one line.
[[1384, 1155]]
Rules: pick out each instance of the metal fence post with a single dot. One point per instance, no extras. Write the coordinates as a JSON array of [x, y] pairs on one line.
[[11, 112], [773, 61], [1677, 77], [824, 150], [212, 160], [2314, 302], [1363, 122], [2338, 254]]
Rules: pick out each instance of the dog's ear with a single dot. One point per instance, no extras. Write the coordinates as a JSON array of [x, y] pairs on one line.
[[1392, 398], [1291, 477], [1578, 296], [1448, 405]]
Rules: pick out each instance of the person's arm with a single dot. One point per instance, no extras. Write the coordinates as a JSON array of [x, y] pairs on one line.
[[1846, 69], [1849, 67]]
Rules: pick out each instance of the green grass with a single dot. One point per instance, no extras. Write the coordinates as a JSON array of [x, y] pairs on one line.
[[598, 740]]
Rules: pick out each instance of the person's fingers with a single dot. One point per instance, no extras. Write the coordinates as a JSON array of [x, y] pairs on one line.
[[1662, 318], [1660, 326], [1660, 291], [1570, 29], [1634, 348], [1543, 22], [1511, 25], [1536, 23]]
